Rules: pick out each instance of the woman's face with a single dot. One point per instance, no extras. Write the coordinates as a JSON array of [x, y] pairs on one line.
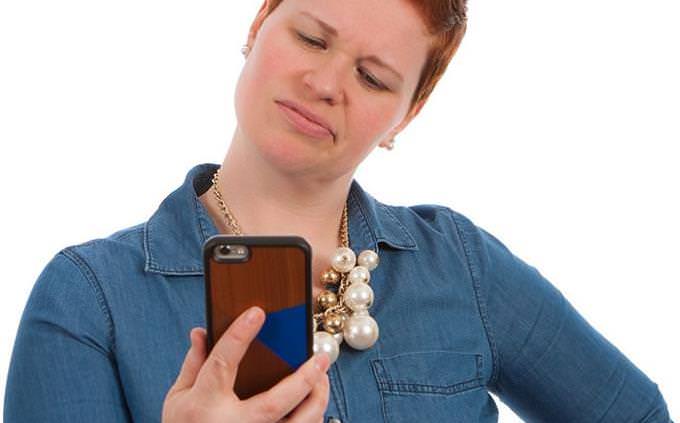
[[354, 64]]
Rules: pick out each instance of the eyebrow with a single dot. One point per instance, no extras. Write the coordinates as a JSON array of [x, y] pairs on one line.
[[334, 32]]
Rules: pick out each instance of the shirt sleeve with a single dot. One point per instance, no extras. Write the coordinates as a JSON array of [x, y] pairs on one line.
[[550, 364], [63, 367]]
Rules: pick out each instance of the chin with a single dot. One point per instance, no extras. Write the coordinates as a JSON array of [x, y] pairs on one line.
[[289, 154], [282, 148]]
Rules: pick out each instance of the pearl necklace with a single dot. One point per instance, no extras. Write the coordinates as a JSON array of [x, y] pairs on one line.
[[343, 305]]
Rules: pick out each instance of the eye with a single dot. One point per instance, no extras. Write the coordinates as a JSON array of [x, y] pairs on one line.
[[371, 80], [313, 42]]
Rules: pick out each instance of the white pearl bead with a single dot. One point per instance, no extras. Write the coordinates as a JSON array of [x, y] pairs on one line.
[[361, 332], [359, 274], [338, 337], [324, 342], [369, 259], [359, 296], [343, 259]]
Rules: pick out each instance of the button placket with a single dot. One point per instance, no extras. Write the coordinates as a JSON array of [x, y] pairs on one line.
[[336, 404]]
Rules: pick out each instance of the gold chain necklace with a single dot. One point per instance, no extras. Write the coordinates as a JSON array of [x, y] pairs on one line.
[[343, 314]]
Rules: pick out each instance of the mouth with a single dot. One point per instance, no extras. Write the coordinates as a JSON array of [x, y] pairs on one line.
[[305, 121]]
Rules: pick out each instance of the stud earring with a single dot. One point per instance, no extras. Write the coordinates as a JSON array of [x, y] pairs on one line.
[[390, 144], [245, 50]]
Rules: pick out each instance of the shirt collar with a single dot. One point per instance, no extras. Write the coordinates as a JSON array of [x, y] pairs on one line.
[[175, 233]]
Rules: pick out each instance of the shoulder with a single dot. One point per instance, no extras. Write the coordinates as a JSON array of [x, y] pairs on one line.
[[80, 270], [70, 290], [437, 219], [479, 248], [123, 246]]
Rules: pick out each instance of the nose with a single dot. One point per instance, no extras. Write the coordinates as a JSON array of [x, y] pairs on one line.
[[323, 81]]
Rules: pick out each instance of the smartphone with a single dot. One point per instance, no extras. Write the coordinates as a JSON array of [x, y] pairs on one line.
[[272, 272]]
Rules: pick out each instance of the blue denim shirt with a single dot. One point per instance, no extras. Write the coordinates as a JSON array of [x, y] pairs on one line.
[[106, 327]]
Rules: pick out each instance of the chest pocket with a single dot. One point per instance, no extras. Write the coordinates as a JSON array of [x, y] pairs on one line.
[[430, 386]]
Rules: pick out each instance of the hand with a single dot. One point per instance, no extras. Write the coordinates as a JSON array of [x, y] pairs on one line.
[[204, 389]]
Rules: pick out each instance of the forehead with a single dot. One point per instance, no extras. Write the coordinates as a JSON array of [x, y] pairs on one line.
[[391, 29]]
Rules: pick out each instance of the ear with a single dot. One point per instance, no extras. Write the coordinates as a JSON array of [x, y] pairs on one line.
[[257, 23], [404, 122]]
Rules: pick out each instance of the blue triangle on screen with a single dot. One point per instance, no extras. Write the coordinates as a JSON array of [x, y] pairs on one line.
[[284, 333]]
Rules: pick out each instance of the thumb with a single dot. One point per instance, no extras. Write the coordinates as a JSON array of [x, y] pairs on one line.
[[193, 360]]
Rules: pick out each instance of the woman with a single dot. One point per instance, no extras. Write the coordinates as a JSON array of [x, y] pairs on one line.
[[103, 337]]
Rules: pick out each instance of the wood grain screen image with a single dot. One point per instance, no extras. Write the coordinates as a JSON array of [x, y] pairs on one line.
[[275, 277]]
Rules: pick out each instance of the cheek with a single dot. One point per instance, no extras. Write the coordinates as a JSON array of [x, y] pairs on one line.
[[256, 88], [370, 115], [274, 55], [369, 121]]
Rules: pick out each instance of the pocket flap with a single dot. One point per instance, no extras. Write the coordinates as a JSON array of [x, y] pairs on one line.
[[441, 372]]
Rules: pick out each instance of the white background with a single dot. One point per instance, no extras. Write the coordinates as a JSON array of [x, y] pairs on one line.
[[554, 128]]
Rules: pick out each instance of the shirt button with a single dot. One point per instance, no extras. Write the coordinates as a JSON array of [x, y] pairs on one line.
[[334, 420]]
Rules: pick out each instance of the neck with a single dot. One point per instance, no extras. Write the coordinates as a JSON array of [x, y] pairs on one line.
[[269, 201]]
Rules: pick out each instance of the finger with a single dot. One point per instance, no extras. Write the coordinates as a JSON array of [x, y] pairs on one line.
[[219, 370], [312, 409], [193, 360], [279, 400]]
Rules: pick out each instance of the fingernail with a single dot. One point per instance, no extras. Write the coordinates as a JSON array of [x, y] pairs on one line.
[[251, 315], [321, 361]]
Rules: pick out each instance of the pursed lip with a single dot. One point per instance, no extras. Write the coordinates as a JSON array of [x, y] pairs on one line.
[[308, 114]]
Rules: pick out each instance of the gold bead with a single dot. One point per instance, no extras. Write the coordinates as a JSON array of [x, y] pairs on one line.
[[330, 277], [326, 300], [333, 323]]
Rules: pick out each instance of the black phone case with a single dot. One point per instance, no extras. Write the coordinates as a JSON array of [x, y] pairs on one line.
[[276, 276]]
